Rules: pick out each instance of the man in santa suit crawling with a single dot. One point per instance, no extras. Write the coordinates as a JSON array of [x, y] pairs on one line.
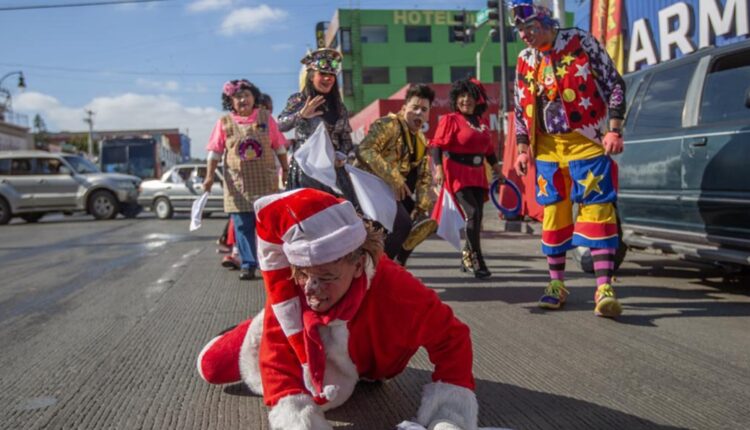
[[338, 310]]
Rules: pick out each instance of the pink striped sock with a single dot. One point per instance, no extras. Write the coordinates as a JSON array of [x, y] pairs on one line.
[[556, 265], [604, 264]]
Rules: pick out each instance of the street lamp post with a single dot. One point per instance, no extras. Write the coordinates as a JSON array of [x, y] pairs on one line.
[[5, 105]]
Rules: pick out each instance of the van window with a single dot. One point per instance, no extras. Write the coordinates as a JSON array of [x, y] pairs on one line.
[[47, 166], [20, 166], [4, 166], [662, 104], [725, 89]]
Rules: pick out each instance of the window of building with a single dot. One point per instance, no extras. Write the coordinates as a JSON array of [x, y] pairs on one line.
[[418, 33], [722, 101], [346, 77], [664, 100], [374, 34], [345, 34], [419, 75], [462, 72], [375, 75]]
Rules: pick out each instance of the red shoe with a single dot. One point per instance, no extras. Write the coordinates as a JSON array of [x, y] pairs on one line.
[[230, 262]]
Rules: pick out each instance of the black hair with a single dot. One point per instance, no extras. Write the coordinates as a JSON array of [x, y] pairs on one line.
[[226, 101], [475, 91], [266, 101], [333, 106], [421, 91]]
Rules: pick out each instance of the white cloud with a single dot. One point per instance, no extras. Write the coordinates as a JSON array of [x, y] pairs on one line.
[[251, 20], [170, 86], [205, 5], [127, 111]]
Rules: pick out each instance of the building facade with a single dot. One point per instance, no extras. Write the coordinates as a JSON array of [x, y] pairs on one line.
[[386, 49]]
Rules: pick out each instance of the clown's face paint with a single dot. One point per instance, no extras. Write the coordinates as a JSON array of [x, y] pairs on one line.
[[326, 284]]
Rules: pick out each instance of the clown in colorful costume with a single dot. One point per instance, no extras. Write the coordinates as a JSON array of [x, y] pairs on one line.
[[566, 84], [356, 314]]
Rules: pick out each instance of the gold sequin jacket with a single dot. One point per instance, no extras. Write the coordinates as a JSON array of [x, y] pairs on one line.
[[387, 151]]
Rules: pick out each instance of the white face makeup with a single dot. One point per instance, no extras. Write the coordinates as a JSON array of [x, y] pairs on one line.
[[326, 284], [416, 111]]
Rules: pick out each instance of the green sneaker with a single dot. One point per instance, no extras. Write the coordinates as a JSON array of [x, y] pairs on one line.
[[554, 295], [606, 303]]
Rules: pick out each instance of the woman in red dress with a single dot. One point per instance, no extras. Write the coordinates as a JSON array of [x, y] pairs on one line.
[[462, 143]]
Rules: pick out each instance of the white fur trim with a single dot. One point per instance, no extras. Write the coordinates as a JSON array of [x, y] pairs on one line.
[[370, 269], [341, 372], [267, 200], [271, 256], [325, 236], [250, 355], [448, 403], [288, 313], [297, 412]]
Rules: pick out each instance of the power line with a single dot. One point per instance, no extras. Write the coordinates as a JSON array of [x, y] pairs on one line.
[[143, 73], [66, 5]]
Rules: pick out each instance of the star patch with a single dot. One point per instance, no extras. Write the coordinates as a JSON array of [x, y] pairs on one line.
[[567, 59], [591, 183], [543, 186], [562, 71]]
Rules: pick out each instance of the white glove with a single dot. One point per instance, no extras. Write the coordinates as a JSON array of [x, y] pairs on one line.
[[443, 425], [297, 412]]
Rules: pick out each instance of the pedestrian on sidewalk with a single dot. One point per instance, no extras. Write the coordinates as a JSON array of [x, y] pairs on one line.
[[566, 87], [461, 145], [320, 101], [337, 311], [395, 151], [246, 140]]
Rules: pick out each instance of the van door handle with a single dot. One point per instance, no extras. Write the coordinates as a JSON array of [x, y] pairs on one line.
[[701, 141]]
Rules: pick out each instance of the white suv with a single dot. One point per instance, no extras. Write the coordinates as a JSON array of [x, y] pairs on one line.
[[33, 183]]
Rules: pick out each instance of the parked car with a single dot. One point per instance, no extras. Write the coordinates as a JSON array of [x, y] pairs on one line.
[[684, 186], [34, 183], [178, 188]]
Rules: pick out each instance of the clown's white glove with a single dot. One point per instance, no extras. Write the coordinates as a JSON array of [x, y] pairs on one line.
[[297, 412], [448, 407]]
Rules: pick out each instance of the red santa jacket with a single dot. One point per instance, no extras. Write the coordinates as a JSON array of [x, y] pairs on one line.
[[397, 316]]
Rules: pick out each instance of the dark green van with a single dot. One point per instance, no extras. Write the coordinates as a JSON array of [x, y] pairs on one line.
[[684, 177]]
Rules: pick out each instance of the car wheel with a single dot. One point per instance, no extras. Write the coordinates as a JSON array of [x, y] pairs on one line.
[[163, 208], [32, 217], [4, 211], [103, 205]]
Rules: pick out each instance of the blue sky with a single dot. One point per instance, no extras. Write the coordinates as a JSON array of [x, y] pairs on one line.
[[162, 64]]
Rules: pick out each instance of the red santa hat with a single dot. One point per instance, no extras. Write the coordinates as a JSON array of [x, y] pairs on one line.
[[303, 227]]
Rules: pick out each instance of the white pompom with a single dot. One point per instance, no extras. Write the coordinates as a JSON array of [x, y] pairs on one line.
[[330, 392]]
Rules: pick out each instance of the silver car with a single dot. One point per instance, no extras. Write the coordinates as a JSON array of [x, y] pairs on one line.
[[178, 188], [34, 183]]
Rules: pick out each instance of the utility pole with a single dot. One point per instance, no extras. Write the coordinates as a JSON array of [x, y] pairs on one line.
[[90, 121]]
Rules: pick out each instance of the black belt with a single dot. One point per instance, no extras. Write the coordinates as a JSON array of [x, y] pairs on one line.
[[468, 159]]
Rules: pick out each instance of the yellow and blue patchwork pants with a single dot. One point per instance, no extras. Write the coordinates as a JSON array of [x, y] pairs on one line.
[[573, 169]]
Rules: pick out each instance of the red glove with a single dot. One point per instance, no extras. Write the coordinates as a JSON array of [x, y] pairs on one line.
[[522, 163], [612, 143]]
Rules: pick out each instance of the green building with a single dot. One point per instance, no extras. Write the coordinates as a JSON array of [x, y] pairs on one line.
[[386, 49]]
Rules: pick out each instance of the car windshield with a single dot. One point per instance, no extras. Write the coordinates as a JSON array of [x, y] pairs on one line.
[[81, 165]]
